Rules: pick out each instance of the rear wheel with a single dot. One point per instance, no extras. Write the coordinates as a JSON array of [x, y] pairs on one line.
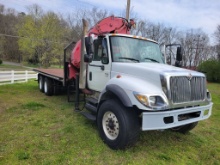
[[57, 88], [118, 126], [41, 83], [48, 86], [185, 128]]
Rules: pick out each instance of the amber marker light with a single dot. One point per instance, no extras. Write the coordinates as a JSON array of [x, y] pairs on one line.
[[142, 99]]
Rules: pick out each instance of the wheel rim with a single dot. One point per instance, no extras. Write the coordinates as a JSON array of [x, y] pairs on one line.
[[45, 86], [110, 125], [40, 84]]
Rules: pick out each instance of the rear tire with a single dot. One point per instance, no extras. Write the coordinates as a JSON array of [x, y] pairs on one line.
[[185, 128], [48, 86], [57, 88], [41, 83], [118, 126]]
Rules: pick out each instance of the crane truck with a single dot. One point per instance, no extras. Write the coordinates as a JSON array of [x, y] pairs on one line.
[[127, 85]]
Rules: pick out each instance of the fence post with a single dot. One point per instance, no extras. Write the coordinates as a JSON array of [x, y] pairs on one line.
[[26, 76], [12, 76]]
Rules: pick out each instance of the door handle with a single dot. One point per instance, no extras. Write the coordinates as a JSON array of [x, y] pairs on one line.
[[102, 67]]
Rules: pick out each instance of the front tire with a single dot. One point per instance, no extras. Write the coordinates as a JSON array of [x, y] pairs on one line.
[[118, 126], [185, 128]]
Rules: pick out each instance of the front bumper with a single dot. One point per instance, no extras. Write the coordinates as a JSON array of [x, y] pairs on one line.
[[174, 118]]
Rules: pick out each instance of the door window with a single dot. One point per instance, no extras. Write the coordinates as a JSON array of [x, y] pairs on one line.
[[100, 49]]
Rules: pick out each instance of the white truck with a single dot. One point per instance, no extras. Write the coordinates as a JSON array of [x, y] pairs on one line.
[[129, 87]]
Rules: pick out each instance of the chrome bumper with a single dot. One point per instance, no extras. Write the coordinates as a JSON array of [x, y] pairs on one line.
[[170, 119]]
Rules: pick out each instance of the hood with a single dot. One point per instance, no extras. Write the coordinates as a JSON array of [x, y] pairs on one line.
[[150, 70]]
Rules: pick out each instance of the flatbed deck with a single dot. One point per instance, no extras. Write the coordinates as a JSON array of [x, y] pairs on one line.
[[57, 74]]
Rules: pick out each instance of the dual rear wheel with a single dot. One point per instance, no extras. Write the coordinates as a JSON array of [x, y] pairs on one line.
[[45, 85]]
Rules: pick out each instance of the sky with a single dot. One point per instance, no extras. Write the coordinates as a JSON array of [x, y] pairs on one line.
[[181, 14]]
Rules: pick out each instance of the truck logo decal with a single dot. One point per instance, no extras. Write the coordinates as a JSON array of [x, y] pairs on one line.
[[189, 77]]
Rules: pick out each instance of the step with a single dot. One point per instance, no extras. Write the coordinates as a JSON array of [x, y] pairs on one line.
[[90, 107], [89, 116], [92, 100]]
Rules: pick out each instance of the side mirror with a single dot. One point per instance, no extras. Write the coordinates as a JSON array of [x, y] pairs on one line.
[[89, 49], [179, 57], [88, 58]]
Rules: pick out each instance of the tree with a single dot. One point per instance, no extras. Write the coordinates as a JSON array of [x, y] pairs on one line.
[[8, 42], [217, 34], [212, 70], [217, 39], [52, 35], [74, 20], [196, 47], [43, 41], [30, 43]]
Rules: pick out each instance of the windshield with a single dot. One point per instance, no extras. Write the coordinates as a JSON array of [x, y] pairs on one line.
[[125, 49]]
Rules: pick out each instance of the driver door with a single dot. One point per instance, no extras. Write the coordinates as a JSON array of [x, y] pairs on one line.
[[99, 69]]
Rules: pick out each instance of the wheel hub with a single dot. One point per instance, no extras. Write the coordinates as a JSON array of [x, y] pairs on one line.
[[110, 125]]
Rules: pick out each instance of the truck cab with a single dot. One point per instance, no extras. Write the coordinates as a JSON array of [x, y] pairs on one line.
[[113, 51]]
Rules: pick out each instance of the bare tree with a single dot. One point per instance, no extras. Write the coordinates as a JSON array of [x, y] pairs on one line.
[[74, 20], [171, 36], [196, 47], [8, 41], [217, 34], [217, 38]]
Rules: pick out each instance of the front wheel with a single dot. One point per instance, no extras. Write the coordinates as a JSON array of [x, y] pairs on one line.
[[118, 126], [185, 128]]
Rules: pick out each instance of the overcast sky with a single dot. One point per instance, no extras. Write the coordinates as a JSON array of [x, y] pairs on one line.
[[182, 14]]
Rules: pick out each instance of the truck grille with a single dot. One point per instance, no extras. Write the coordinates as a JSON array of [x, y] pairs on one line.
[[184, 89]]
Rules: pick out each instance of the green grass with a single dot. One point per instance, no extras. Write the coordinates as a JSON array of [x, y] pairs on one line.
[[11, 67], [6, 67], [38, 129]]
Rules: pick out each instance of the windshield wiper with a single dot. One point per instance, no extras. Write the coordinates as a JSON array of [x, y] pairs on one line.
[[151, 59], [127, 58]]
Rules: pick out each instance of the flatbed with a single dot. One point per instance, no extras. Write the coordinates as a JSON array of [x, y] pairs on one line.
[[57, 74]]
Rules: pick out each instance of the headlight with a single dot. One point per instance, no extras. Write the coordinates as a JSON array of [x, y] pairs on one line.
[[154, 102]]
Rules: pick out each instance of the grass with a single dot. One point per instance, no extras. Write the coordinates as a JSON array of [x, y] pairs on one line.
[[5, 67], [25, 66], [38, 129]]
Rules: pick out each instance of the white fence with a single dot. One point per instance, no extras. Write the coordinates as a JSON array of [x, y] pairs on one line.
[[10, 77]]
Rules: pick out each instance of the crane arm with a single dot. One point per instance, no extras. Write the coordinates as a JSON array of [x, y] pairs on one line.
[[112, 25]]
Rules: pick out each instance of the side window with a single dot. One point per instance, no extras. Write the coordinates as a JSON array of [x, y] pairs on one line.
[[100, 49], [97, 49]]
